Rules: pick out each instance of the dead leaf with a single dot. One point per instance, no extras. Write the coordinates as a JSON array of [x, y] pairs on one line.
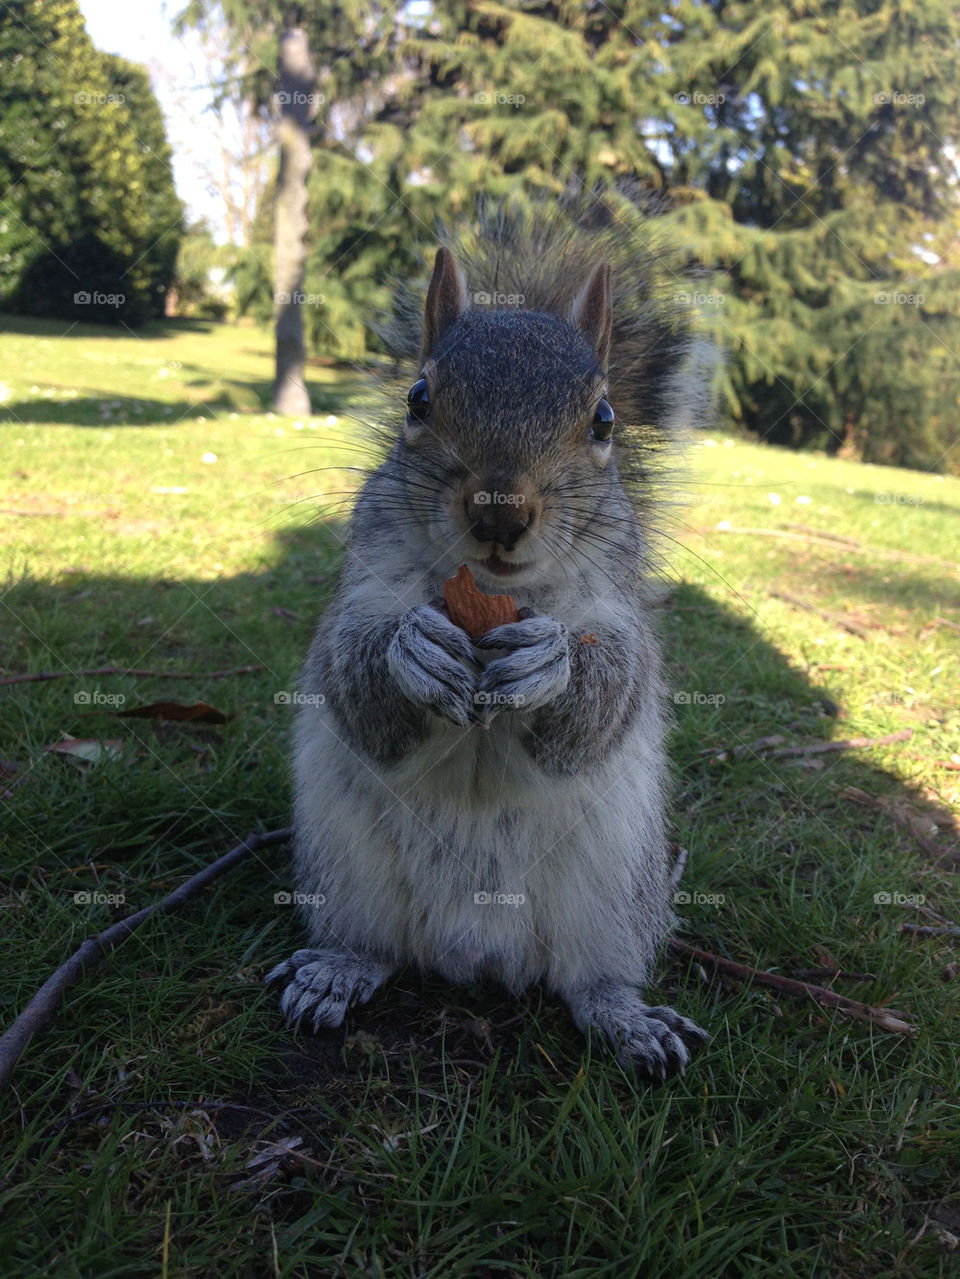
[[198, 713], [87, 751]]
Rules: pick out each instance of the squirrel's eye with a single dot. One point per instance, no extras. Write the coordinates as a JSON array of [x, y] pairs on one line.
[[602, 427], [418, 400]]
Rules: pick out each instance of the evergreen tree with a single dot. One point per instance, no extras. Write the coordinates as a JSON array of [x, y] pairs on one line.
[[800, 151], [83, 194]]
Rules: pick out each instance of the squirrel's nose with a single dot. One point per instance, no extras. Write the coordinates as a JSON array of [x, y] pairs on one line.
[[498, 517]]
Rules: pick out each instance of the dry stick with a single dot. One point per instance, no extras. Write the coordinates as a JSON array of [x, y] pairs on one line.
[[841, 974], [847, 744], [822, 534], [926, 930], [885, 1018], [912, 823], [45, 1002], [883, 551], [839, 619], [129, 670]]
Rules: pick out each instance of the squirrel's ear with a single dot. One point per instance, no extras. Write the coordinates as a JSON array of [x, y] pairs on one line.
[[446, 301], [592, 312]]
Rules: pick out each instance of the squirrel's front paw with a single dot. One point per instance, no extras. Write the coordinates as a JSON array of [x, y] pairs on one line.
[[433, 663], [534, 672]]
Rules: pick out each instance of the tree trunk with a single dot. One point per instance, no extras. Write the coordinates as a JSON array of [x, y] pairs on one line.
[[297, 99]]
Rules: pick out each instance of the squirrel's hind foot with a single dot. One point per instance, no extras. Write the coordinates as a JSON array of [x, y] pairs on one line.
[[322, 984], [656, 1041]]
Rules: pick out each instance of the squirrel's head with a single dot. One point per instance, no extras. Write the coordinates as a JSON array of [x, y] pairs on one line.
[[507, 446]]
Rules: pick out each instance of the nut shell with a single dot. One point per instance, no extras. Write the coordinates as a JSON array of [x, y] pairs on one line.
[[473, 611]]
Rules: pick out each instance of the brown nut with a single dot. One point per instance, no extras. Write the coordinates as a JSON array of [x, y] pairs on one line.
[[473, 611]]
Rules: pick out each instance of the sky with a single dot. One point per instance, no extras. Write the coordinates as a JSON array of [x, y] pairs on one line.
[[141, 31]]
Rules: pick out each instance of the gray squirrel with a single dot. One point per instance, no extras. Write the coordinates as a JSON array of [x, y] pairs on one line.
[[494, 808]]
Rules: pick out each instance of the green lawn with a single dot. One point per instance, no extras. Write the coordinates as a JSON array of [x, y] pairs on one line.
[[153, 516]]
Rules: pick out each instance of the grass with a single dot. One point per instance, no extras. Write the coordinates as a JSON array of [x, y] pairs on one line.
[[450, 1132]]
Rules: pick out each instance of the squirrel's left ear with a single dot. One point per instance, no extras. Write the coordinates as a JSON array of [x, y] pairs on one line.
[[592, 312], [446, 301]]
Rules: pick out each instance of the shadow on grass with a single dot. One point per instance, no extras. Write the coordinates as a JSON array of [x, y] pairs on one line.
[[47, 327], [180, 1006], [738, 688]]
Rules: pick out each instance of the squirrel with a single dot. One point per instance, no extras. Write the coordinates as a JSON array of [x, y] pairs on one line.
[[495, 807]]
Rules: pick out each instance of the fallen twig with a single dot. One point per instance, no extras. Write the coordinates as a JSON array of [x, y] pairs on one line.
[[917, 824], [129, 670], [929, 930], [770, 748], [839, 619], [822, 533], [934, 623], [838, 974], [43, 1005], [846, 744], [884, 1018], [883, 551]]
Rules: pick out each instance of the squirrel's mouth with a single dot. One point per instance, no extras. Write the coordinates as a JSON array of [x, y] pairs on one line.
[[498, 567]]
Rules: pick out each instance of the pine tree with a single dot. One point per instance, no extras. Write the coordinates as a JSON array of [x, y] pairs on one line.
[[85, 179], [800, 152]]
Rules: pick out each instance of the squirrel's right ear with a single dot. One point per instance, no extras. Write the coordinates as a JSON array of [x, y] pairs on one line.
[[592, 312], [446, 301]]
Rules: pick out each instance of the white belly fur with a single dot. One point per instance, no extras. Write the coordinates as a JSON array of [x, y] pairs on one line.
[[398, 853]]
